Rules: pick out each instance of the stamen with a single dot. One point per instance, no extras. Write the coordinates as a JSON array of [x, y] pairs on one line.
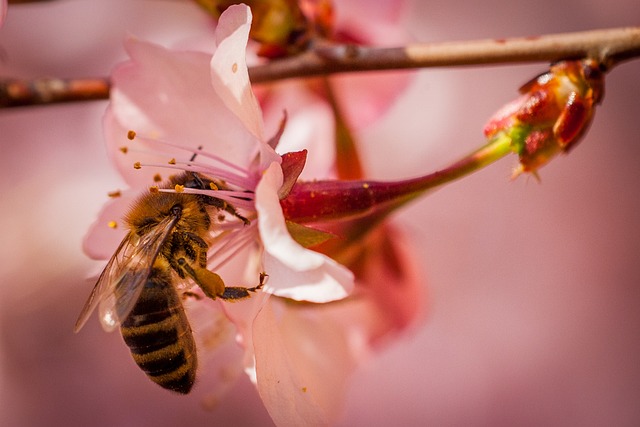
[[124, 149], [137, 165], [172, 161], [234, 242], [116, 193], [157, 178], [197, 151], [179, 188], [246, 202], [154, 189], [229, 177], [130, 135], [112, 224], [220, 174]]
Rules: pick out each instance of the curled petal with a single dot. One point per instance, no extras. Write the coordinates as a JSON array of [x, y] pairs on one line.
[[229, 73], [294, 271]]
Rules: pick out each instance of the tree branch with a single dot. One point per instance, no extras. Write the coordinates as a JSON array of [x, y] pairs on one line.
[[16, 93], [609, 47]]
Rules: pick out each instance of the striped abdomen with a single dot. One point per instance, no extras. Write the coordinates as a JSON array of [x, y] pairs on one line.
[[159, 336]]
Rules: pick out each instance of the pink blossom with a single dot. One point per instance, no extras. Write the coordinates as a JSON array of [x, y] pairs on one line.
[[182, 104], [206, 106]]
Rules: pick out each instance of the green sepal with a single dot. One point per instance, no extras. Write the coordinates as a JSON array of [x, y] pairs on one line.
[[307, 236]]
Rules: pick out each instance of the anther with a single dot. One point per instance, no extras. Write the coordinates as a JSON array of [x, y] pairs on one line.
[[137, 165], [130, 135]]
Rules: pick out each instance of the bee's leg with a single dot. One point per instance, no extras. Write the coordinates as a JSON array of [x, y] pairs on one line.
[[172, 252], [211, 284], [196, 249], [223, 205], [187, 246], [235, 293], [235, 213], [189, 294]]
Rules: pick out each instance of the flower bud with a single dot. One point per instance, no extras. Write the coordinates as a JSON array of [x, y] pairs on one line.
[[282, 27], [552, 114]]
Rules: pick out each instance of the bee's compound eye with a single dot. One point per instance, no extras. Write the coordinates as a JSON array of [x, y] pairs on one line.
[[176, 210]]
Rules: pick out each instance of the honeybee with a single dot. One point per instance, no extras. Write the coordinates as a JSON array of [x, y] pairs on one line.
[[137, 288]]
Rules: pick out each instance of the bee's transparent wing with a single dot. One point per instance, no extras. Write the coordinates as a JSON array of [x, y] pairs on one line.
[[124, 276], [102, 286], [116, 305]]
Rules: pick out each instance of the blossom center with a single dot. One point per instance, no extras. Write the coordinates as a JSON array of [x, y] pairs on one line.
[[233, 226]]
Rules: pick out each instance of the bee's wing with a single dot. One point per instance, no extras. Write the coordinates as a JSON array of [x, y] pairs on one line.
[[124, 276], [102, 286]]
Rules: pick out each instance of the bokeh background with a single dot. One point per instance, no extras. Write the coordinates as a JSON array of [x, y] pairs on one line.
[[533, 287]]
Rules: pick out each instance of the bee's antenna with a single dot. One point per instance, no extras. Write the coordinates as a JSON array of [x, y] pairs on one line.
[[196, 178], [195, 154]]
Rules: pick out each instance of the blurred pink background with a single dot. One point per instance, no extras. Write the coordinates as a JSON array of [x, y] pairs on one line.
[[533, 287]]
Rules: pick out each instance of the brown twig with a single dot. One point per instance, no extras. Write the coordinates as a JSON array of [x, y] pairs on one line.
[[607, 46], [15, 93]]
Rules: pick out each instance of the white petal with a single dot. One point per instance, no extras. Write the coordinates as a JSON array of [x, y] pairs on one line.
[[307, 354], [229, 73], [294, 272]]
